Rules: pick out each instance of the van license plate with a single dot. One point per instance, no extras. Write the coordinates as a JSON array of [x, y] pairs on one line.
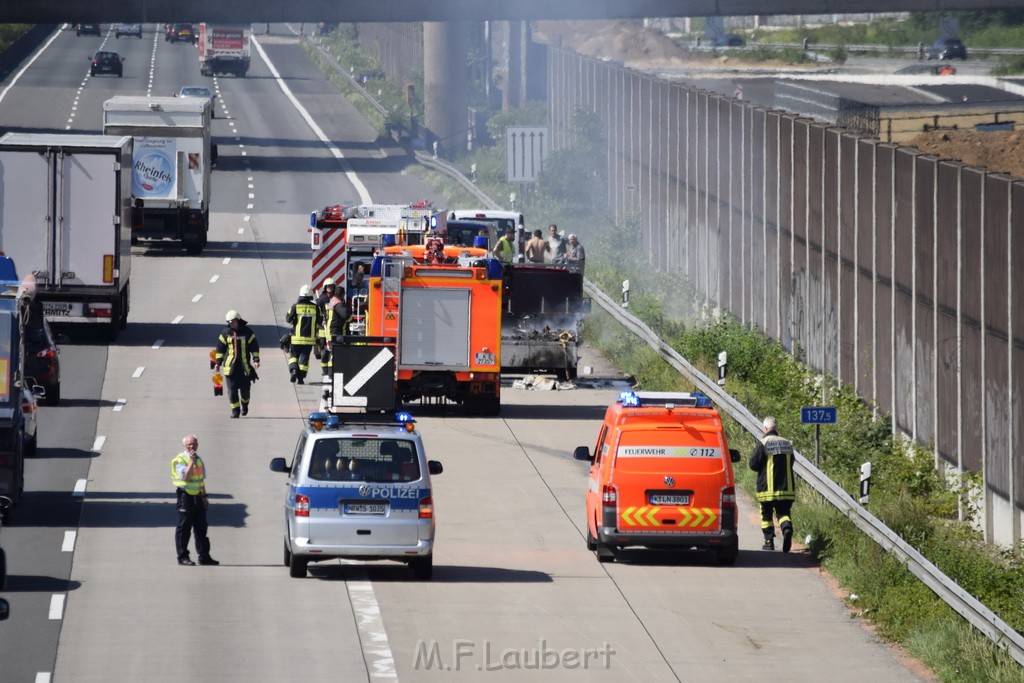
[[365, 508], [662, 499]]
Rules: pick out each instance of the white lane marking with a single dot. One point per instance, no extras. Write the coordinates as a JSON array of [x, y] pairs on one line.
[[234, 245], [138, 371], [158, 343], [68, 546], [197, 298], [56, 606], [372, 636], [214, 279], [247, 218], [227, 260], [248, 207], [97, 445], [43, 677], [364, 194], [31, 62], [241, 231], [245, 154], [251, 186], [252, 196], [119, 404], [249, 179], [177, 320], [79, 490]]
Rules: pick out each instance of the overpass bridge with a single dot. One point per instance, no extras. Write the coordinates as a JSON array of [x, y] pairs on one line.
[[57, 11]]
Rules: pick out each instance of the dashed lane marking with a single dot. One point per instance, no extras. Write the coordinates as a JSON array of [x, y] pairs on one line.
[[68, 546]]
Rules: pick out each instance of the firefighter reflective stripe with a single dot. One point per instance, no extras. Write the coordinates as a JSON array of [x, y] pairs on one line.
[[236, 348], [194, 485], [647, 516], [304, 331]]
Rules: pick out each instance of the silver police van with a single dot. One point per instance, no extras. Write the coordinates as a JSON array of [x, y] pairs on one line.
[[359, 490]]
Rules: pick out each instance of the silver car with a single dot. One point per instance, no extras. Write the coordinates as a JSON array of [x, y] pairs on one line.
[[361, 491], [200, 92]]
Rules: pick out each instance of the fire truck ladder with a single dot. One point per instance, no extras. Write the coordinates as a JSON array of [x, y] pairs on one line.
[[391, 297]]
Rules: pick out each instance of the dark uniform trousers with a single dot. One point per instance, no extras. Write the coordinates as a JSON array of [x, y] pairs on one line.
[[191, 518], [239, 384]]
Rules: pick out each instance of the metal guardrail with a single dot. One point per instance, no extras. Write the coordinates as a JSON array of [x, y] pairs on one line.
[[823, 47], [979, 616], [965, 604]]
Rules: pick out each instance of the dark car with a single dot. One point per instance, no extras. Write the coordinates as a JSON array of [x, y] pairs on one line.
[[947, 48], [181, 33], [87, 29], [42, 361], [128, 30], [727, 40], [106, 63]]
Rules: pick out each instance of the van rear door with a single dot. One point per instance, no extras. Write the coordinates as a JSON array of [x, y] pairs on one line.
[[669, 478]]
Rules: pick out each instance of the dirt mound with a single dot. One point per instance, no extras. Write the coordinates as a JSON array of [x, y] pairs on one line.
[[1000, 151], [626, 40]]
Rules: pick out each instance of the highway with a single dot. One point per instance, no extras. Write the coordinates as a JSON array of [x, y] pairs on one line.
[[95, 591]]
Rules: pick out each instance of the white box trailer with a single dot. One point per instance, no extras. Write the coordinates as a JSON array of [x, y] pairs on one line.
[[224, 49], [65, 215], [172, 163]]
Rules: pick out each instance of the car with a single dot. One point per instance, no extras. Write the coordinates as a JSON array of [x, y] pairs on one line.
[[42, 360], [199, 92], [104, 62], [88, 30], [946, 48], [128, 30], [727, 40], [180, 33], [359, 490], [661, 477]]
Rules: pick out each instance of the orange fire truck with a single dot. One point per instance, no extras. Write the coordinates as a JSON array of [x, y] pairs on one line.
[[443, 305]]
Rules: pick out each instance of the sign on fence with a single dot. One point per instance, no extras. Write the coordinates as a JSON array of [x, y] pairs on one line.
[[526, 149]]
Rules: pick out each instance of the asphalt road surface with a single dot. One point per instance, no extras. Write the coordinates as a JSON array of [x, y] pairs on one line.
[[95, 589]]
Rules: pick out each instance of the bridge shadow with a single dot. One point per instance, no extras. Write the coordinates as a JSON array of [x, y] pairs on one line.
[[396, 572], [221, 250], [34, 583], [117, 510], [747, 559], [519, 411], [196, 335]]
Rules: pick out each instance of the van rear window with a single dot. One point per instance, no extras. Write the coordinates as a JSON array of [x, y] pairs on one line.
[[370, 460], [668, 449]]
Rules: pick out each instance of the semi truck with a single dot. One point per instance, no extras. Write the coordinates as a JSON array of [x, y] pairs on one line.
[[224, 49], [443, 306], [171, 166], [65, 218]]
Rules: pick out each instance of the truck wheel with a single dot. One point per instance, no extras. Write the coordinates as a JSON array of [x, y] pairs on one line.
[[195, 247], [297, 568], [31, 447], [52, 395]]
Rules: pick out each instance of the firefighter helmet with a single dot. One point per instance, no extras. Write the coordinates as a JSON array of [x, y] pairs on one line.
[[329, 282], [232, 315], [304, 290]]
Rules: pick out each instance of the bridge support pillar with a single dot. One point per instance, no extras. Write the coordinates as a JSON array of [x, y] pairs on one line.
[[446, 82]]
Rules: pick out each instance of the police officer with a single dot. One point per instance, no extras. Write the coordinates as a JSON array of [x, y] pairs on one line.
[[324, 303], [304, 317], [188, 473], [772, 459], [239, 353]]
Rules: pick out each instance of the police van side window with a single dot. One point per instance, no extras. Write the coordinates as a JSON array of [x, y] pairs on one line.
[[297, 458]]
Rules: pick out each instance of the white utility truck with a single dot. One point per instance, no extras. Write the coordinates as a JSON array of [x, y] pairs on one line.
[[171, 168], [65, 218]]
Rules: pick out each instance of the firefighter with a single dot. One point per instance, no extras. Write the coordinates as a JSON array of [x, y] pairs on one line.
[[772, 459], [304, 317], [239, 354], [323, 302], [335, 325]]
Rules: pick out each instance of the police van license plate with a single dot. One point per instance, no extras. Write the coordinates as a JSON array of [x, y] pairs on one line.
[[665, 499], [365, 508], [56, 308]]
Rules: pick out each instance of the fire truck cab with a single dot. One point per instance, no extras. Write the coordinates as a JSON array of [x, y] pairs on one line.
[[443, 305]]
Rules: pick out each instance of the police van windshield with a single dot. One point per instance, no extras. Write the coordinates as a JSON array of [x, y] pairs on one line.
[[368, 460]]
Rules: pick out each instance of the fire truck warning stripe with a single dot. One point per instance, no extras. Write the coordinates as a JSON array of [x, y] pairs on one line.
[[647, 516]]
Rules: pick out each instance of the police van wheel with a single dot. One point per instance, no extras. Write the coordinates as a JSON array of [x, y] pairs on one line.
[[591, 541], [422, 567], [297, 567], [287, 555]]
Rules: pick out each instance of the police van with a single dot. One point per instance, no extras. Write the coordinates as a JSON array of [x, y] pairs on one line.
[[661, 477], [359, 490]]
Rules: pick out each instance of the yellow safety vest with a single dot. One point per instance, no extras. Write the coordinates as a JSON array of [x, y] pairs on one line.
[[505, 250], [194, 485]]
